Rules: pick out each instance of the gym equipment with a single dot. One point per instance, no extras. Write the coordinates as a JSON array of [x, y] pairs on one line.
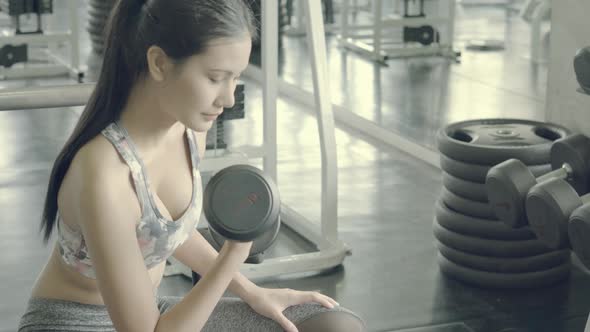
[[260, 245], [256, 255], [582, 68], [424, 35], [420, 13], [504, 280], [485, 45], [16, 8], [43, 56], [505, 264], [466, 189], [466, 206], [241, 203], [20, 7], [487, 247], [509, 182], [98, 13], [492, 141], [477, 227], [549, 206], [395, 35], [10, 54], [579, 233], [478, 173]]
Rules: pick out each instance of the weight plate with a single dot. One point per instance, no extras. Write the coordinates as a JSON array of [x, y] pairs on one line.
[[259, 245], [482, 228], [492, 141], [466, 206], [549, 206], [582, 68], [99, 12], [485, 45], [504, 280], [241, 202], [508, 184], [478, 173], [96, 31], [487, 247], [505, 264], [579, 233], [574, 151], [466, 189], [103, 4]]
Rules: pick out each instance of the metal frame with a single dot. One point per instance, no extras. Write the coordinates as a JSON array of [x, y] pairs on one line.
[[324, 236], [371, 40], [331, 251], [297, 26], [535, 12], [59, 67]]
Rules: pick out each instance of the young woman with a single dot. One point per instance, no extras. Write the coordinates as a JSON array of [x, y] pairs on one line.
[[125, 192]]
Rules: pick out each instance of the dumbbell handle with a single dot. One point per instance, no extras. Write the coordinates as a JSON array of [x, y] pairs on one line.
[[565, 171]]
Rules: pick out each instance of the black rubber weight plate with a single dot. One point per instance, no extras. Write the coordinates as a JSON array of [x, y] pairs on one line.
[[506, 265], [466, 189], [102, 4], [478, 173], [467, 207], [260, 243], [98, 13], [241, 202], [487, 247], [492, 141], [482, 228], [504, 280]]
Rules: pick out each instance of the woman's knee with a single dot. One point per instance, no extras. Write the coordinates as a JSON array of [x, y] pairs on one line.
[[332, 321]]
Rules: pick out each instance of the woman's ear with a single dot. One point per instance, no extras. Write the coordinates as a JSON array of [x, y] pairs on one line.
[[159, 65]]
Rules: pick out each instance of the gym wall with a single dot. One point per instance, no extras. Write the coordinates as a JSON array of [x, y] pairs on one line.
[[570, 26]]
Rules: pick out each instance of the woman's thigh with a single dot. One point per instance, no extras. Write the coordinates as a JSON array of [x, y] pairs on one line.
[[232, 314]]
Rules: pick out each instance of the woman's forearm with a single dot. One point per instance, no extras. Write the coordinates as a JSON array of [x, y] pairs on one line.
[[199, 255]]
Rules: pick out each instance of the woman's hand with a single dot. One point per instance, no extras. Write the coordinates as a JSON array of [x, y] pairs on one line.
[[271, 302]]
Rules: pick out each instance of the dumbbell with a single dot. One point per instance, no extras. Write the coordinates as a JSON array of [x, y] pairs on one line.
[[579, 233], [508, 183], [549, 206], [582, 68], [241, 203]]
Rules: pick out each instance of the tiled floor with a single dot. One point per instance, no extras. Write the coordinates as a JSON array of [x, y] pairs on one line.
[[386, 198]]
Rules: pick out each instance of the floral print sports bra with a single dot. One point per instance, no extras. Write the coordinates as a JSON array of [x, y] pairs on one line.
[[157, 236]]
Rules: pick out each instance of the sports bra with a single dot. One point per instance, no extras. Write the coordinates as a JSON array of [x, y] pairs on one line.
[[157, 236]]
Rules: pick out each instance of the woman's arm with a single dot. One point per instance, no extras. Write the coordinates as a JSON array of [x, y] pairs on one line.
[[108, 225], [199, 255]]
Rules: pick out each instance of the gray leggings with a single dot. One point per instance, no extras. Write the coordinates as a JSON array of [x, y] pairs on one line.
[[230, 314]]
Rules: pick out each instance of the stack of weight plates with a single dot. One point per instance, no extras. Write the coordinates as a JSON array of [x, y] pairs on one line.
[[474, 246], [98, 13]]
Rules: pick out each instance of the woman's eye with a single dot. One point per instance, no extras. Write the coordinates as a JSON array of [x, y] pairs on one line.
[[214, 80]]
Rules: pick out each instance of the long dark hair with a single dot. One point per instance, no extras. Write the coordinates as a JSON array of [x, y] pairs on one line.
[[182, 28]]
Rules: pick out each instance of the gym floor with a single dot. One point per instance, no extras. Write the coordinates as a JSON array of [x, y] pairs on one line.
[[386, 198]]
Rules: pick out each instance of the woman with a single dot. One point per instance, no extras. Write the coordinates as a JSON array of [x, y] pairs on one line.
[[125, 191]]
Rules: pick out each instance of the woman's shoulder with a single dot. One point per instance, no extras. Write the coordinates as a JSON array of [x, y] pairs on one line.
[[99, 160], [96, 174], [98, 156]]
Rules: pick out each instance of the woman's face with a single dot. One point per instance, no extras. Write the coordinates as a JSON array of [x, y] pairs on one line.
[[204, 84]]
